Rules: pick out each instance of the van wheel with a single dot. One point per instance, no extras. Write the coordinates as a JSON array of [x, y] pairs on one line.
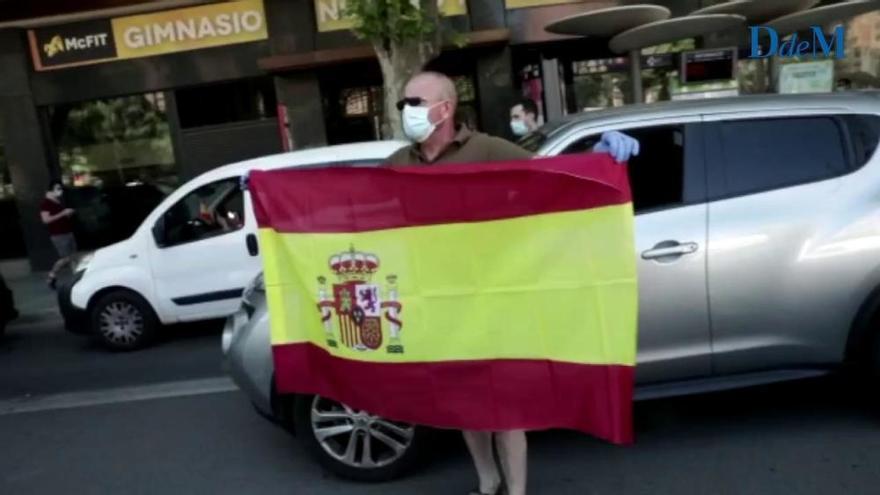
[[355, 444], [123, 320]]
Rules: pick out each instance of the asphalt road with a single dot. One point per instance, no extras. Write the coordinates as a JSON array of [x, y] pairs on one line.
[[40, 357], [813, 437]]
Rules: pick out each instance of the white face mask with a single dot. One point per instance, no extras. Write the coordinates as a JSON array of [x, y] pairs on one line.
[[519, 128], [417, 124]]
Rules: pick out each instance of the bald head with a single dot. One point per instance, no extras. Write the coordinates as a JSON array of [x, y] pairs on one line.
[[433, 87]]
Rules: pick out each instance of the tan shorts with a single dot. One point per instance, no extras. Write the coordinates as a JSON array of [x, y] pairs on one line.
[[65, 245]]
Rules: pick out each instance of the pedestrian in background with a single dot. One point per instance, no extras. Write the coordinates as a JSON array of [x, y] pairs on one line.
[[58, 221], [523, 117]]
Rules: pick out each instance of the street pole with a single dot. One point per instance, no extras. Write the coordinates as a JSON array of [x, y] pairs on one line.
[[635, 67], [773, 66]]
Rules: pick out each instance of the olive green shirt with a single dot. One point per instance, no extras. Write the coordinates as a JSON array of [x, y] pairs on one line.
[[467, 146]]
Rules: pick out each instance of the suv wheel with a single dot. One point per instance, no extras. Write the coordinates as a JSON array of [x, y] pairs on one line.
[[355, 444], [122, 320]]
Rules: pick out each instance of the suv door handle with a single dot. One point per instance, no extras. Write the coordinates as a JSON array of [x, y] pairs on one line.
[[669, 249], [252, 246]]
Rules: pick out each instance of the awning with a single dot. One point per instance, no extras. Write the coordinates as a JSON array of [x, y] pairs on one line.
[[822, 15], [672, 30], [605, 23], [758, 12]]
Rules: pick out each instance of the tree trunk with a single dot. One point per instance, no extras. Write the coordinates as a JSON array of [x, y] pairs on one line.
[[399, 62]]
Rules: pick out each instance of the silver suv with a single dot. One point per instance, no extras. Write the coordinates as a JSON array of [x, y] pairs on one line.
[[758, 245]]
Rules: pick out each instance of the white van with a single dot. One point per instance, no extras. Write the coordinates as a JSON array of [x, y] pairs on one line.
[[192, 256]]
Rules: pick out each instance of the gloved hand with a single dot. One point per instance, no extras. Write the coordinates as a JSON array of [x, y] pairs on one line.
[[620, 146]]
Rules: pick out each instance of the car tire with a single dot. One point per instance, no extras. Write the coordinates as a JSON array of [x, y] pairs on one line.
[[123, 321], [328, 433]]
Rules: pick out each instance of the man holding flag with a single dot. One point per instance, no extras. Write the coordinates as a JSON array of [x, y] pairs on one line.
[[428, 116], [495, 295]]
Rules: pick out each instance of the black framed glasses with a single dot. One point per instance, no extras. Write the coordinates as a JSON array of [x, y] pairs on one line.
[[412, 101]]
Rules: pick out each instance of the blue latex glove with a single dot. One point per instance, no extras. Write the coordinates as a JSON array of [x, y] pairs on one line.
[[620, 146]]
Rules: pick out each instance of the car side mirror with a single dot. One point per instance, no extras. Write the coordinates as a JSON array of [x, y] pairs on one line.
[[159, 232]]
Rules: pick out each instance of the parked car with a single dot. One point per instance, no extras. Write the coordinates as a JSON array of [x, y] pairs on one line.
[[758, 247], [109, 214], [190, 258], [7, 306]]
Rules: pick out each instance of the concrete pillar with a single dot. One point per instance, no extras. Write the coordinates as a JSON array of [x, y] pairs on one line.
[[635, 74], [554, 108], [495, 89], [25, 143], [300, 92], [292, 29]]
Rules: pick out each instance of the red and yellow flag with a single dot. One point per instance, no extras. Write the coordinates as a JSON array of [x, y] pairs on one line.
[[488, 296]]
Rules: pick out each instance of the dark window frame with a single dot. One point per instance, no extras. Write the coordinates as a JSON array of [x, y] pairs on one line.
[[694, 173]]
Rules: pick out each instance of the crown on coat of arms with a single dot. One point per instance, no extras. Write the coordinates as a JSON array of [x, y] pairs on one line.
[[354, 265]]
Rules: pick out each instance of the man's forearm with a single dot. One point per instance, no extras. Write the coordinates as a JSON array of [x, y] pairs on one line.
[[54, 218]]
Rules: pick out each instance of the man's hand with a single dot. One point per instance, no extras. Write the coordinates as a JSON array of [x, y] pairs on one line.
[[620, 146], [68, 212]]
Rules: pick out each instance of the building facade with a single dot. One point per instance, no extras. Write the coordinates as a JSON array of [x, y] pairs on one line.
[[123, 108]]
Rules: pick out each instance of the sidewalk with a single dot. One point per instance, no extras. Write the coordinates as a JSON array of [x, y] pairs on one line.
[[34, 299]]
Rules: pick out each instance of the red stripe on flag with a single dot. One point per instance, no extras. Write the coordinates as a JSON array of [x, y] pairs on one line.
[[491, 395], [341, 199]]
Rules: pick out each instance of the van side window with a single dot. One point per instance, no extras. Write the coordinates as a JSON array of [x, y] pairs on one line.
[[656, 176], [211, 210], [760, 155]]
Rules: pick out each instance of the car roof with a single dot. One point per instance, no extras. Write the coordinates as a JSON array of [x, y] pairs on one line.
[[372, 150], [854, 101]]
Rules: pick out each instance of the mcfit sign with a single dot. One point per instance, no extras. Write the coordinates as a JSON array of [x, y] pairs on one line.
[[149, 34]]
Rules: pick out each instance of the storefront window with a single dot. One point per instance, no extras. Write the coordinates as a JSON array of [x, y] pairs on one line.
[[860, 68], [225, 103], [363, 110], [467, 102], [116, 141], [117, 160], [600, 84], [357, 102], [752, 76], [603, 83]]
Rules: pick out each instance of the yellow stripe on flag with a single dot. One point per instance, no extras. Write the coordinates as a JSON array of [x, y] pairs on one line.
[[471, 291]]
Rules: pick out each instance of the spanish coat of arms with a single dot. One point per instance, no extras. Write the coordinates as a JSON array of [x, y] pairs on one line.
[[360, 304]]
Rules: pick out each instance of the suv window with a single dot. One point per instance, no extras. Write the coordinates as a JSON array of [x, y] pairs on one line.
[[864, 130], [211, 210], [656, 176], [759, 155]]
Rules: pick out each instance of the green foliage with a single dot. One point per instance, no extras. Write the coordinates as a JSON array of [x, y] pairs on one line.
[[115, 133], [117, 119], [392, 21]]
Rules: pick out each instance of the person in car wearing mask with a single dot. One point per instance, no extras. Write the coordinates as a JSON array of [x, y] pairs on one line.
[[523, 117], [428, 117]]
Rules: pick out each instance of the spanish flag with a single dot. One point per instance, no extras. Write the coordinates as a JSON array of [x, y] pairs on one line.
[[484, 296]]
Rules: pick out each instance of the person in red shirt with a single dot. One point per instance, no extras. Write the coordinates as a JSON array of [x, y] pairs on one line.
[[58, 221]]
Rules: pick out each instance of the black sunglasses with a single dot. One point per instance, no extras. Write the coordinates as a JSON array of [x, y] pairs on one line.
[[413, 102]]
